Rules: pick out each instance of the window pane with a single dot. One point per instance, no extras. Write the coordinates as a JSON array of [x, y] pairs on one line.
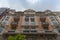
[[32, 19], [1, 29], [26, 19]]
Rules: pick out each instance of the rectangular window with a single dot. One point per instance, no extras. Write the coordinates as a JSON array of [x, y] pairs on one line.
[[14, 25], [58, 29], [1, 29], [32, 19], [42, 19], [7, 18], [54, 21], [46, 29], [51, 17], [26, 18], [26, 27], [16, 18]]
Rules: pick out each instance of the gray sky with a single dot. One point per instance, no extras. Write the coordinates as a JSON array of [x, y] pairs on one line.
[[38, 5]]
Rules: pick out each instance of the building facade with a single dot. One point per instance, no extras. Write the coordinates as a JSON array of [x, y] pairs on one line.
[[36, 25]]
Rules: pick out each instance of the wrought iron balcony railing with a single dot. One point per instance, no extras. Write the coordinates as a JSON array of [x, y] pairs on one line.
[[29, 23], [45, 24]]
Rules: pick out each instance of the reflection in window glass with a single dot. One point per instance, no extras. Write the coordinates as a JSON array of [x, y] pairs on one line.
[[32, 19], [1, 29], [26, 19]]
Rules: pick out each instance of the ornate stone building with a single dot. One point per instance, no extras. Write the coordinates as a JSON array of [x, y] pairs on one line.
[[36, 25]]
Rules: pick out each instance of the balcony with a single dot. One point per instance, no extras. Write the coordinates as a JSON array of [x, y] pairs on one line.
[[43, 19], [11, 31], [29, 31], [25, 31], [25, 23], [14, 23], [33, 23], [16, 18], [33, 30], [29, 23], [49, 32]]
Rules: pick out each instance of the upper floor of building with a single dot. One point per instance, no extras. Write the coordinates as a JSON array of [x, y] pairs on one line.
[[31, 21]]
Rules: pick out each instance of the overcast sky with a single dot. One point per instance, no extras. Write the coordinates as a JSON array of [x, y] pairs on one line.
[[38, 5]]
